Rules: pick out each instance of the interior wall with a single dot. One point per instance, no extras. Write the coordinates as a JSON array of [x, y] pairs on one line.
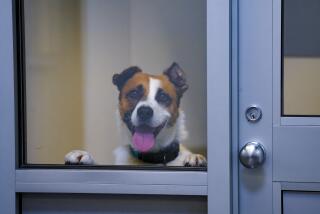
[[301, 85], [164, 31], [53, 79], [105, 38]]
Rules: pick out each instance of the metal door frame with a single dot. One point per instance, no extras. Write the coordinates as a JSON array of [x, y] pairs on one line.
[[281, 184], [7, 112], [255, 73]]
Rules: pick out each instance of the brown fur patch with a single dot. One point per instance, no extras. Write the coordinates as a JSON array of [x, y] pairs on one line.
[[126, 105]]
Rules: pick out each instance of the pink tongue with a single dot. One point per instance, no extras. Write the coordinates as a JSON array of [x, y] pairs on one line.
[[143, 142]]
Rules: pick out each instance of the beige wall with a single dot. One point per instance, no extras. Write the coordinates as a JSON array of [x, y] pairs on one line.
[[100, 38], [301, 85], [53, 80]]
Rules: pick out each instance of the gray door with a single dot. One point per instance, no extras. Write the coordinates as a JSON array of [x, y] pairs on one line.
[[28, 186], [278, 67]]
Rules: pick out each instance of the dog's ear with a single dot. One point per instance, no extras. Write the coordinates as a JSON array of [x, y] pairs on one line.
[[120, 79], [178, 77]]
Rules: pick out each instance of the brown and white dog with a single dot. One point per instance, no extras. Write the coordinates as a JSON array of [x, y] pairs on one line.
[[151, 120]]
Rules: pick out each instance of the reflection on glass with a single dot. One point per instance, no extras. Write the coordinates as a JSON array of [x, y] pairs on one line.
[[72, 51], [301, 58]]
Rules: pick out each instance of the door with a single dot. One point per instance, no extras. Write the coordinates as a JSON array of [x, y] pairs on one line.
[[278, 55], [57, 62]]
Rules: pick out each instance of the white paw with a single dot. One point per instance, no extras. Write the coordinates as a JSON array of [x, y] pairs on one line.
[[195, 160], [78, 157]]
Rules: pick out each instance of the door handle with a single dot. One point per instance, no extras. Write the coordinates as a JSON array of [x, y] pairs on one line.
[[252, 155]]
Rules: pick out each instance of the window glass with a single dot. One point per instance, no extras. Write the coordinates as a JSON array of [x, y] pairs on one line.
[[301, 58], [123, 82]]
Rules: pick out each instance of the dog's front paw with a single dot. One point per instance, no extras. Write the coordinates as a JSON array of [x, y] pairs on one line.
[[195, 160], [78, 157]]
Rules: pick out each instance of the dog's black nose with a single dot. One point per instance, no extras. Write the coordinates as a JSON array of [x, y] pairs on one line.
[[144, 113]]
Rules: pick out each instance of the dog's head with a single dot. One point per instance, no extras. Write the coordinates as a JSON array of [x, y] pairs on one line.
[[149, 104]]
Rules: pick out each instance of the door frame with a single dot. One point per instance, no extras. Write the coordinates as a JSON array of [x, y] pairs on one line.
[[255, 65], [219, 84], [7, 112], [283, 183], [216, 183]]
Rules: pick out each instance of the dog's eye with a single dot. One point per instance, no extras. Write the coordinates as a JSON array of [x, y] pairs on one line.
[[163, 98], [134, 94]]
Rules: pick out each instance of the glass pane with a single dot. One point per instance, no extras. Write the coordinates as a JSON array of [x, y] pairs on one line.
[[301, 58], [81, 92]]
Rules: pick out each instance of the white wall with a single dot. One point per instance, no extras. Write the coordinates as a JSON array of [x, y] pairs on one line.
[[105, 38], [112, 35], [164, 31]]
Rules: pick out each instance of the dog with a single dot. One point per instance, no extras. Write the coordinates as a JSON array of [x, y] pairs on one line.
[[151, 120]]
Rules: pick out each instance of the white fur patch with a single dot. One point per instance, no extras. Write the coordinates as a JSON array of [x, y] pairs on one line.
[[160, 114], [79, 157]]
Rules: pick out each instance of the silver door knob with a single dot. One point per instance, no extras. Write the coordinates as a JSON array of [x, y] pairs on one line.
[[252, 155]]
